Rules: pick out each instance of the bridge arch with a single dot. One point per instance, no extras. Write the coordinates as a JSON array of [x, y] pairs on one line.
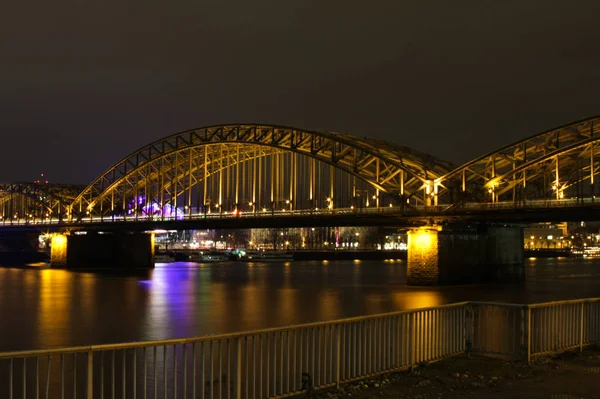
[[35, 201], [554, 164], [246, 163]]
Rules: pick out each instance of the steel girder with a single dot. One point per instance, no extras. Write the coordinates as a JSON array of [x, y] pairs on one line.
[[36, 200], [541, 166], [386, 167]]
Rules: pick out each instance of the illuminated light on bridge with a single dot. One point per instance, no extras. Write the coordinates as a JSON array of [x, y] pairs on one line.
[[284, 171], [276, 169]]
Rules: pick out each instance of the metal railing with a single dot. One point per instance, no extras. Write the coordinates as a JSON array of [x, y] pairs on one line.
[[497, 328], [564, 325], [279, 362], [408, 211], [265, 363]]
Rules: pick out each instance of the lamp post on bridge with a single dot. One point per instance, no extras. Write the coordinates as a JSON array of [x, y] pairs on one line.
[[357, 199]]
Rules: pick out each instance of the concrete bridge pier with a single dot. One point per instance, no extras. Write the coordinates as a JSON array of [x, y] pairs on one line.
[[462, 255], [102, 251]]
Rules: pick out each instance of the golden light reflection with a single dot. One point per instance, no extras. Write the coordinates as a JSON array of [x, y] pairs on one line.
[[286, 304], [374, 303], [416, 299], [253, 312], [54, 311], [329, 308]]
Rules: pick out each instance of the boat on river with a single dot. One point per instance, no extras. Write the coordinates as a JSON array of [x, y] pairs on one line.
[[267, 256], [214, 257], [209, 257]]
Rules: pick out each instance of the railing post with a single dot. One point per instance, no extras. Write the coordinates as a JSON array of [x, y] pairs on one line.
[[521, 332], [581, 326], [238, 372], [338, 351], [528, 333], [411, 340], [469, 322], [90, 375]]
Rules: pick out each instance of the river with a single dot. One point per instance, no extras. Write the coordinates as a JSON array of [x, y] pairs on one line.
[[45, 308]]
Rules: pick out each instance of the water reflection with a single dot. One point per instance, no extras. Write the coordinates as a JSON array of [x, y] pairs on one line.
[[417, 299], [48, 308], [54, 309]]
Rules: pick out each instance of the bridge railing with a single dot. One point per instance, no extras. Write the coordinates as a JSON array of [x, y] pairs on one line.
[[282, 361], [420, 210]]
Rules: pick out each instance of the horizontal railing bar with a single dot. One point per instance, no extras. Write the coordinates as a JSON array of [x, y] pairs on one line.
[[565, 302], [508, 305], [45, 352]]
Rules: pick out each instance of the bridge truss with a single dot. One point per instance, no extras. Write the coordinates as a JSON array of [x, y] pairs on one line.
[[36, 201], [560, 163], [257, 168]]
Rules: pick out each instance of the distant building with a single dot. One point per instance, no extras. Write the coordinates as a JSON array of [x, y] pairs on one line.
[[547, 236]]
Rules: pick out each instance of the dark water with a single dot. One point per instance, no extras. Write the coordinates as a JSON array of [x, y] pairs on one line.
[[42, 308]]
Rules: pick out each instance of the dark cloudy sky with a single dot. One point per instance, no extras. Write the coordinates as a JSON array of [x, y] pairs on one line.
[[83, 83]]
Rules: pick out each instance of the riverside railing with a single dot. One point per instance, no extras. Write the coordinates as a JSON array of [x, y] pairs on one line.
[[284, 361]]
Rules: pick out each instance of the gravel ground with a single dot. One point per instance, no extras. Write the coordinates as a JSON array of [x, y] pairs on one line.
[[565, 376]]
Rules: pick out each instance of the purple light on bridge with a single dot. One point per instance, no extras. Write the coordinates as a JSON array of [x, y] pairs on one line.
[[153, 208]]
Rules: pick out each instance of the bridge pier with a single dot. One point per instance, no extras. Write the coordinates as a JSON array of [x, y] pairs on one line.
[[461, 256], [102, 251]]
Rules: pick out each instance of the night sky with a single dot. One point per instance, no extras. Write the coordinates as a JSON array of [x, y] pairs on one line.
[[84, 83]]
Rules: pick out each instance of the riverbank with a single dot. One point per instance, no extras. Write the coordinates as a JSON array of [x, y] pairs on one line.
[[182, 255], [546, 253], [349, 255], [568, 375]]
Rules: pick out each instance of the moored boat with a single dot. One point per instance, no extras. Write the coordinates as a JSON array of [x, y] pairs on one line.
[[268, 256], [214, 257]]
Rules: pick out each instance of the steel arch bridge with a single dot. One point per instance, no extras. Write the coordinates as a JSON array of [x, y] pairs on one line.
[[560, 164], [235, 169], [242, 168], [31, 201]]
